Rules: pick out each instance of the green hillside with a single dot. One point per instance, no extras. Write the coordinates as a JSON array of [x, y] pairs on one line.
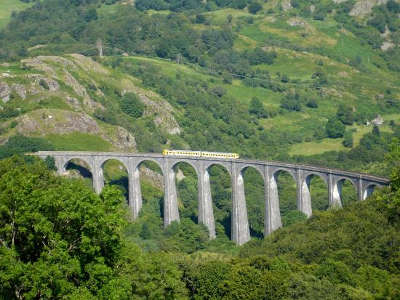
[[284, 69], [314, 82]]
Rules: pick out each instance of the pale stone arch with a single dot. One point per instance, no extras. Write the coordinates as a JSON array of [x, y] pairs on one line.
[[369, 189], [158, 162], [125, 165], [354, 181], [308, 175], [307, 201], [276, 188], [190, 162], [338, 189], [224, 165], [258, 168], [209, 186], [136, 174], [276, 171], [87, 160], [256, 209], [104, 160]]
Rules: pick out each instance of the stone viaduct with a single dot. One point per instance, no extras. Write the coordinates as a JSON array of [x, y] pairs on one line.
[[364, 185]]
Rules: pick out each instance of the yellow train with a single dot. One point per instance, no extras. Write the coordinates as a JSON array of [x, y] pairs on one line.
[[200, 154]]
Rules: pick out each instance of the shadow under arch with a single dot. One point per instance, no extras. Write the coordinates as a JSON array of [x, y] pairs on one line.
[[115, 172], [187, 181], [254, 190], [347, 191], [221, 194], [78, 167], [287, 194], [319, 192], [369, 190]]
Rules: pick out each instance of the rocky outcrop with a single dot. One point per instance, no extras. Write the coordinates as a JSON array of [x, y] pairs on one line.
[[19, 90], [156, 179], [296, 22], [59, 68], [158, 108], [286, 5], [5, 92], [364, 7]]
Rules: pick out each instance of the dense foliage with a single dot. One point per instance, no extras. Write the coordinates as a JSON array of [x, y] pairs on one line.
[[59, 239], [70, 244]]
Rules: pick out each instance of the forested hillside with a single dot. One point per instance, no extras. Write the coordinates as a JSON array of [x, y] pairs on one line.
[[269, 80], [60, 240], [314, 82]]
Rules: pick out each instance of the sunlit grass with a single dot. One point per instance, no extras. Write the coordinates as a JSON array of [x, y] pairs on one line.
[[7, 7]]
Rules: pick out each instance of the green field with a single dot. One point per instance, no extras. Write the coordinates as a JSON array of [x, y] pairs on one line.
[[6, 9], [78, 142]]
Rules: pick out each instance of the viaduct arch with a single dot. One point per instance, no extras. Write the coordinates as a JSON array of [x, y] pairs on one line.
[[240, 233]]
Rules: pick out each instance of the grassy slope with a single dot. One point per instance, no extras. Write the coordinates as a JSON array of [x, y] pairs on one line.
[[346, 83], [7, 7]]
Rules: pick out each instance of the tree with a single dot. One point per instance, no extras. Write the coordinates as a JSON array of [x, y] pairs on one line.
[[21, 144], [334, 128], [348, 139], [312, 103], [257, 108], [254, 7], [291, 102], [376, 131], [200, 19], [132, 106], [57, 235], [345, 114]]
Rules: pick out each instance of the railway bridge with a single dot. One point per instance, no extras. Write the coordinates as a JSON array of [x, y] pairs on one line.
[[364, 185]]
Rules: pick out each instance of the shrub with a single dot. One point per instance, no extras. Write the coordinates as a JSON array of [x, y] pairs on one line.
[[254, 7], [335, 128], [132, 106], [348, 139]]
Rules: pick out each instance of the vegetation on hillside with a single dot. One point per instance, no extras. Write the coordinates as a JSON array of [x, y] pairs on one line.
[[319, 94], [295, 80], [71, 242]]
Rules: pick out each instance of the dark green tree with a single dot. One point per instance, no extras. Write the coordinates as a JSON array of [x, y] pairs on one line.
[[348, 139], [132, 106], [257, 108], [334, 128], [254, 7], [345, 114]]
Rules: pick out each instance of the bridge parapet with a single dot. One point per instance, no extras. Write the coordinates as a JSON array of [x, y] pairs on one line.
[[364, 185]]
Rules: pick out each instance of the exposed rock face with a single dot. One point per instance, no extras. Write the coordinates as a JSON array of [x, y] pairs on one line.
[[73, 102], [163, 113], [52, 84], [20, 90], [387, 45], [286, 5], [296, 22], [161, 110], [5, 92], [88, 64], [364, 7], [155, 178], [45, 64]]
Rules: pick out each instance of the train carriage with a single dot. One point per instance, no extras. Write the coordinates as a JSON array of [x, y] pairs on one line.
[[189, 153]]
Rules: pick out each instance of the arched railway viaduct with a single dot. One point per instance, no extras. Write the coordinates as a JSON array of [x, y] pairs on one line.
[[364, 185]]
